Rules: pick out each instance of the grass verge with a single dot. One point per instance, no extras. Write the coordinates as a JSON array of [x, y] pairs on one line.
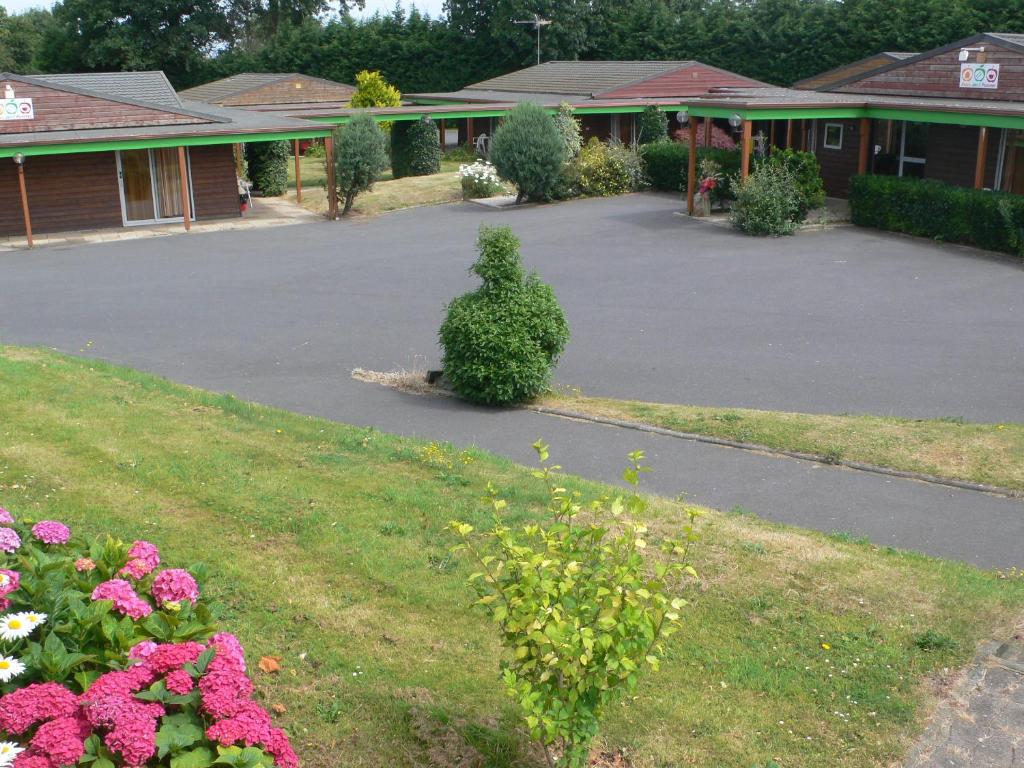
[[953, 448], [325, 544]]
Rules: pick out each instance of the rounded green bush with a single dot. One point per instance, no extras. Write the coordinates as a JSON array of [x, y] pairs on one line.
[[415, 149], [268, 166], [501, 341], [528, 150], [651, 126], [767, 202]]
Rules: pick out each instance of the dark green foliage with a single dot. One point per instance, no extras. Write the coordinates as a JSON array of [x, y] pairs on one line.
[[528, 151], [665, 163], [930, 208], [767, 202], [651, 126], [608, 169], [501, 341], [268, 166], [806, 172], [360, 157], [415, 148]]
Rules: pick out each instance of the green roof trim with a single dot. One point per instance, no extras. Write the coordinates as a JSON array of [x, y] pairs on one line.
[[947, 118], [70, 148], [838, 112]]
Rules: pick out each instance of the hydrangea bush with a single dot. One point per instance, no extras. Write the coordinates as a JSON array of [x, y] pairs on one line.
[[479, 180], [107, 659]]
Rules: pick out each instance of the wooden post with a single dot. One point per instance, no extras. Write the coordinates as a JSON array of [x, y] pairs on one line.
[[332, 186], [771, 139], [298, 174], [865, 146], [1011, 162], [979, 166], [789, 134], [803, 135], [24, 203], [707, 132], [186, 212], [469, 131], [748, 130], [238, 160], [440, 132], [691, 167]]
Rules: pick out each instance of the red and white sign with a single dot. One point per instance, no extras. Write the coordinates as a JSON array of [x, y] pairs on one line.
[[16, 109], [979, 76]]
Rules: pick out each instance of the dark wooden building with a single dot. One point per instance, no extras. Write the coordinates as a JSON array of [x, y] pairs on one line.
[[87, 151]]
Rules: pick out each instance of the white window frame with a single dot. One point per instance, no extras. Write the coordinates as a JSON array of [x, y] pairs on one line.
[[904, 157], [824, 137], [152, 181]]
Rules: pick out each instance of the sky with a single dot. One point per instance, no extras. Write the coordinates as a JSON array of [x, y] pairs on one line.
[[433, 7]]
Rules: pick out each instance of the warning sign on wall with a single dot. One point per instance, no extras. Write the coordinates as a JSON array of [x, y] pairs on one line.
[[16, 109], [979, 76]]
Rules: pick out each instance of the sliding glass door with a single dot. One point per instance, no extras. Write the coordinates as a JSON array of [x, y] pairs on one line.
[[151, 185]]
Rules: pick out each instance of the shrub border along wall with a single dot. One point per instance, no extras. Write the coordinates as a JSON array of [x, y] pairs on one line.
[[665, 163], [930, 208]]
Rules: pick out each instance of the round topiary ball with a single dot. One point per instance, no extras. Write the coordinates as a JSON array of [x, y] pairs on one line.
[[502, 340]]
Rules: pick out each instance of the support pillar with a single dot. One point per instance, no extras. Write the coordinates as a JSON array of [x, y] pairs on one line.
[[707, 131], [771, 139], [979, 165], [186, 208], [789, 134], [748, 133], [469, 131], [865, 146], [803, 135], [24, 202], [691, 167], [332, 186], [238, 161], [298, 174]]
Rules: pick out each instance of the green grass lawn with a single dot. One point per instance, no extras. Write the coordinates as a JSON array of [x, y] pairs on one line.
[[326, 546], [982, 453]]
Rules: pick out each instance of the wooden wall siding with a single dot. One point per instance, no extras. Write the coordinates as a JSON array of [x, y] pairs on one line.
[[939, 76], [857, 68], [214, 184], [691, 81], [65, 192], [838, 165], [953, 151], [57, 110], [285, 92]]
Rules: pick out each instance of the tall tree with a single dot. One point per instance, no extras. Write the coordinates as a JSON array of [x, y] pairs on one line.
[[21, 39]]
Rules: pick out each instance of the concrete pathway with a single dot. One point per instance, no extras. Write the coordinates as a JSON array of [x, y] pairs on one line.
[[661, 309]]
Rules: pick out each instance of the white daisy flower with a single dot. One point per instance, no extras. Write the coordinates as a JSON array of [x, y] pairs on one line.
[[15, 626], [8, 751], [10, 667], [35, 619], [4, 580]]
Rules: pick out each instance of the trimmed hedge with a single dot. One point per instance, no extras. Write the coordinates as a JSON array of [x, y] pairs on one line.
[[665, 163], [415, 148], [268, 166], [930, 208]]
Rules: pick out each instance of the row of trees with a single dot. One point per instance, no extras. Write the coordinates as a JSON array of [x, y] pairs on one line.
[[198, 40]]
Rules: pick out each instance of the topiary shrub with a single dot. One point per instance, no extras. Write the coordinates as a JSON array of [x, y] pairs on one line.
[[767, 202], [372, 90], [651, 125], [528, 151], [360, 157], [806, 172], [501, 341], [268, 166], [569, 127], [608, 169], [415, 148]]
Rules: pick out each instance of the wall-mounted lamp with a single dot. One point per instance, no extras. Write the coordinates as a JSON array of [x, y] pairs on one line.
[[735, 120], [965, 53], [8, 91], [682, 117], [19, 159]]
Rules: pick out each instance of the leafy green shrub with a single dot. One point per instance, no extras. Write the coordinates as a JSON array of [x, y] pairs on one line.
[[806, 172], [569, 127], [359, 158], [931, 208], [372, 90], [501, 341], [608, 169], [316, 149], [580, 610], [268, 166], [767, 202], [652, 126], [528, 151], [415, 148], [665, 163]]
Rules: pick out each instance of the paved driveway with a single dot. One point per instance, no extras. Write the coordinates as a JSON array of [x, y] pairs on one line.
[[661, 308]]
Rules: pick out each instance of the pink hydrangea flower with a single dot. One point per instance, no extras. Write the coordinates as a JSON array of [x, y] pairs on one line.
[[62, 740], [141, 651], [131, 725], [225, 686], [170, 656], [9, 581], [173, 586], [51, 532], [5, 516], [179, 682], [4, 603], [122, 594], [25, 760], [24, 707], [143, 558], [84, 565], [251, 725], [10, 541]]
